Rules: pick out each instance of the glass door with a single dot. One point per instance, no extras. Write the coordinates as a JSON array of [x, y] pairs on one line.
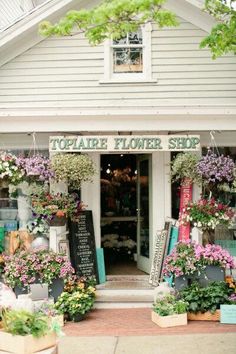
[[144, 235]]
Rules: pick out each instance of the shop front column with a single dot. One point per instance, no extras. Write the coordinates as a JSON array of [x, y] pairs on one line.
[[90, 196], [161, 191]]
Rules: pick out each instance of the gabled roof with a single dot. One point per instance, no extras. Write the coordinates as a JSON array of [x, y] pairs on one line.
[[24, 34], [15, 10]]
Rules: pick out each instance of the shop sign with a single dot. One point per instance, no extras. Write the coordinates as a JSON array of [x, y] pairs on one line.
[[129, 143]]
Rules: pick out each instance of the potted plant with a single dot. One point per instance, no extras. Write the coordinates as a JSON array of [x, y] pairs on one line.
[[9, 171], [36, 168], [216, 171], [189, 261], [185, 166], [25, 332], [53, 315], [55, 208], [77, 299], [204, 302], [27, 267], [169, 312], [206, 214], [73, 169]]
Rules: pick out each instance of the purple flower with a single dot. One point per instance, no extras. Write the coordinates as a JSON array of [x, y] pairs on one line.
[[216, 169], [36, 167]]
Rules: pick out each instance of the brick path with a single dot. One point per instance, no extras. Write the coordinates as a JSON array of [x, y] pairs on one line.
[[136, 322]]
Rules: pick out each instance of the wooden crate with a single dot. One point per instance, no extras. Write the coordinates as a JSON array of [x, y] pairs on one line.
[[206, 316], [169, 321], [25, 344]]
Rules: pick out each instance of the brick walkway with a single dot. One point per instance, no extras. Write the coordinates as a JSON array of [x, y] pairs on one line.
[[136, 322]]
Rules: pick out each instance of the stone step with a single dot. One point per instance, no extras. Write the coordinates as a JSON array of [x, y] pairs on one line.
[[125, 295]]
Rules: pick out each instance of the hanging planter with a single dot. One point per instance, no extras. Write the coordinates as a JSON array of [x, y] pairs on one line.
[[37, 168], [216, 171], [10, 172], [73, 169]]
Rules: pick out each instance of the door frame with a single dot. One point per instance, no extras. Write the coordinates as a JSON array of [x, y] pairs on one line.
[[144, 263]]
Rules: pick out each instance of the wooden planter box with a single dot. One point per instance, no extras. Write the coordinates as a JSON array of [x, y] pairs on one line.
[[25, 344], [206, 316], [169, 321]]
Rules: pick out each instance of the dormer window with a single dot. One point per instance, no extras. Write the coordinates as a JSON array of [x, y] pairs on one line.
[[129, 58]]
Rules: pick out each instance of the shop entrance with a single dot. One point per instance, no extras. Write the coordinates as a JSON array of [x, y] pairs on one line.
[[125, 213]]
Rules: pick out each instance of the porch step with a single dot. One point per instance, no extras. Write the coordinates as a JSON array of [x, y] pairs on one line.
[[121, 292]]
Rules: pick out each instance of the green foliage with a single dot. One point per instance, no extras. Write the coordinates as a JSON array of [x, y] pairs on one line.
[[169, 305], [111, 18], [222, 39], [185, 166], [203, 299], [23, 323], [78, 298], [73, 169]]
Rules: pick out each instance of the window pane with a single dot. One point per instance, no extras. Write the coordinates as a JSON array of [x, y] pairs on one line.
[[127, 60]]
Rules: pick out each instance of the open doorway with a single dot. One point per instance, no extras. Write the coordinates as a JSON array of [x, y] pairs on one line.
[[119, 216]]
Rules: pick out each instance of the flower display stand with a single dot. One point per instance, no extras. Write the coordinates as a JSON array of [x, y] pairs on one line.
[[206, 316], [169, 321], [25, 344]]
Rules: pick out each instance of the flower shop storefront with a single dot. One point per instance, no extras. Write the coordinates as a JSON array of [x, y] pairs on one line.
[[126, 195], [125, 181]]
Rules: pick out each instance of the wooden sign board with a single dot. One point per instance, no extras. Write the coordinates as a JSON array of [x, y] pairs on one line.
[[82, 245], [158, 256], [228, 314]]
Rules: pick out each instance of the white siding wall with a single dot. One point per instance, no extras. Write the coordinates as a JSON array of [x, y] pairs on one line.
[[65, 72]]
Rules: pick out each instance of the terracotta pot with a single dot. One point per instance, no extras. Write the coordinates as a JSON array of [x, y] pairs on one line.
[[58, 221]]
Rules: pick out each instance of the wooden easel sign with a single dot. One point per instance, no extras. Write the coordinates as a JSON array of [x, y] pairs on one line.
[[158, 256]]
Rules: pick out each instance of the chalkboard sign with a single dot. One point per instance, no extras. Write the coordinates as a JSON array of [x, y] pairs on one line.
[[82, 245]]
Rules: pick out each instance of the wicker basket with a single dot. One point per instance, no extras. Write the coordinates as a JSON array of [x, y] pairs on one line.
[[206, 316]]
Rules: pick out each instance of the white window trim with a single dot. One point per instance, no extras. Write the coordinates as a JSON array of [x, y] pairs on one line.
[[145, 77]]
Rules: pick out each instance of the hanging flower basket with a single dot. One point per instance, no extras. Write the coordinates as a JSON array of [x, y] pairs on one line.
[[73, 169], [37, 168]]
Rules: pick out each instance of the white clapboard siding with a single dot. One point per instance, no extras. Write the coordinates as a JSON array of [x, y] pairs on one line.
[[212, 102], [121, 90], [68, 72]]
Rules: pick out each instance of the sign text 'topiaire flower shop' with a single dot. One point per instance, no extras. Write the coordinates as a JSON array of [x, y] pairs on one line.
[[129, 143]]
